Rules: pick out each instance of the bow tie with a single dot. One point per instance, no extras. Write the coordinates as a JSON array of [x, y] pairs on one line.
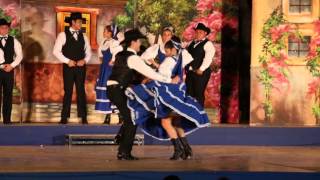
[[75, 32], [197, 41], [4, 37]]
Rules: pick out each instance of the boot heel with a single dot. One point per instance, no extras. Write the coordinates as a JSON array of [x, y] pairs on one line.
[[178, 150]]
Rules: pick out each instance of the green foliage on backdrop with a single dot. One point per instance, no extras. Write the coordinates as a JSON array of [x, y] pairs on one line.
[[156, 14]]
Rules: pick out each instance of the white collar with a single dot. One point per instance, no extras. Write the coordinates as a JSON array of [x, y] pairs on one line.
[[131, 50], [6, 36], [72, 30]]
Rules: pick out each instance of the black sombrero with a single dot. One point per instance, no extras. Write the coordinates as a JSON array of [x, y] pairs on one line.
[[74, 16]]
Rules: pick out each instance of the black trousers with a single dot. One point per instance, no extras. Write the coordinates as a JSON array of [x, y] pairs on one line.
[[196, 84], [117, 96], [6, 87], [71, 76]]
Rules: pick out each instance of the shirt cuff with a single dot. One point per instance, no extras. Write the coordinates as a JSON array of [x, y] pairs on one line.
[[13, 65], [202, 68]]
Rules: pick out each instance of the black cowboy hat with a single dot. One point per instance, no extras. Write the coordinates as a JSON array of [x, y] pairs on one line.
[[4, 22], [74, 16], [132, 35], [201, 26]]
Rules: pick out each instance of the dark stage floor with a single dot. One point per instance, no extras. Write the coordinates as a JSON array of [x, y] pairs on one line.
[[22, 159]]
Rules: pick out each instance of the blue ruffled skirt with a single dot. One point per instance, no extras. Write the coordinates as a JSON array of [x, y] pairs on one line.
[[150, 102]]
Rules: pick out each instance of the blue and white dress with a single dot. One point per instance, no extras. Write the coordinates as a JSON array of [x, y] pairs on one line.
[[151, 102], [107, 52], [154, 52]]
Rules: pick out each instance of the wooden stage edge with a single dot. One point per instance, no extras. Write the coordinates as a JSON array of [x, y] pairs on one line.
[[35, 159]]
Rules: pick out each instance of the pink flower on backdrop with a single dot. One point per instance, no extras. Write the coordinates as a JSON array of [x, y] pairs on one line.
[[313, 86], [278, 32], [317, 26], [280, 61], [204, 5], [212, 36], [212, 92], [203, 20], [189, 32], [217, 56], [215, 21], [315, 42], [11, 10], [278, 77]]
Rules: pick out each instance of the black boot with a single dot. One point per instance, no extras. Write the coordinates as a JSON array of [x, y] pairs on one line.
[[178, 150], [186, 147], [117, 138], [126, 156], [107, 119], [84, 120]]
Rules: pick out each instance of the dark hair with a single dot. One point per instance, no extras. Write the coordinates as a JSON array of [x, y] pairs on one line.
[[109, 29], [170, 45], [168, 28]]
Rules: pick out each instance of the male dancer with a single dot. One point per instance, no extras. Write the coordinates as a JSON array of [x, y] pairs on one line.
[[128, 70], [10, 57], [73, 49]]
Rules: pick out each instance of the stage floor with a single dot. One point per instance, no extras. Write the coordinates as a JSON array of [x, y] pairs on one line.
[[22, 159]]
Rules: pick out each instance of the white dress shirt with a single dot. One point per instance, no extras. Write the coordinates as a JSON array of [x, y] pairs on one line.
[[209, 55], [17, 51], [135, 62], [106, 44], [152, 52], [60, 42], [1, 56], [167, 66]]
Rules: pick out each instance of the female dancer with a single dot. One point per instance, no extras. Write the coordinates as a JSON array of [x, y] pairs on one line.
[[176, 113], [107, 50]]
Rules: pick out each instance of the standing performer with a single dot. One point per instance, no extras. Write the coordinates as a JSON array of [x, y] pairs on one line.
[[128, 70], [164, 111], [198, 71], [72, 48], [10, 57], [155, 54], [107, 50]]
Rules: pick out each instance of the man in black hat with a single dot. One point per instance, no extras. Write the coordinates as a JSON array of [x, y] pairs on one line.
[[11, 57], [198, 71], [128, 70], [72, 48]]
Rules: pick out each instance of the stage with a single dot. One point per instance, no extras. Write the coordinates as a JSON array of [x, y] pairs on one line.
[[217, 134], [210, 162]]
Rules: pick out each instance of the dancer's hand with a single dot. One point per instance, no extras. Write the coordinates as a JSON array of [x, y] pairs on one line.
[[175, 80], [111, 63], [71, 63], [145, 80], [7, 68], [81, 63], [199, 72]]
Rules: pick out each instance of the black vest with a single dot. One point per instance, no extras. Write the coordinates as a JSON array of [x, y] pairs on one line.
[[197, 53], [121, 71], [74, 49], [8, 50]]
